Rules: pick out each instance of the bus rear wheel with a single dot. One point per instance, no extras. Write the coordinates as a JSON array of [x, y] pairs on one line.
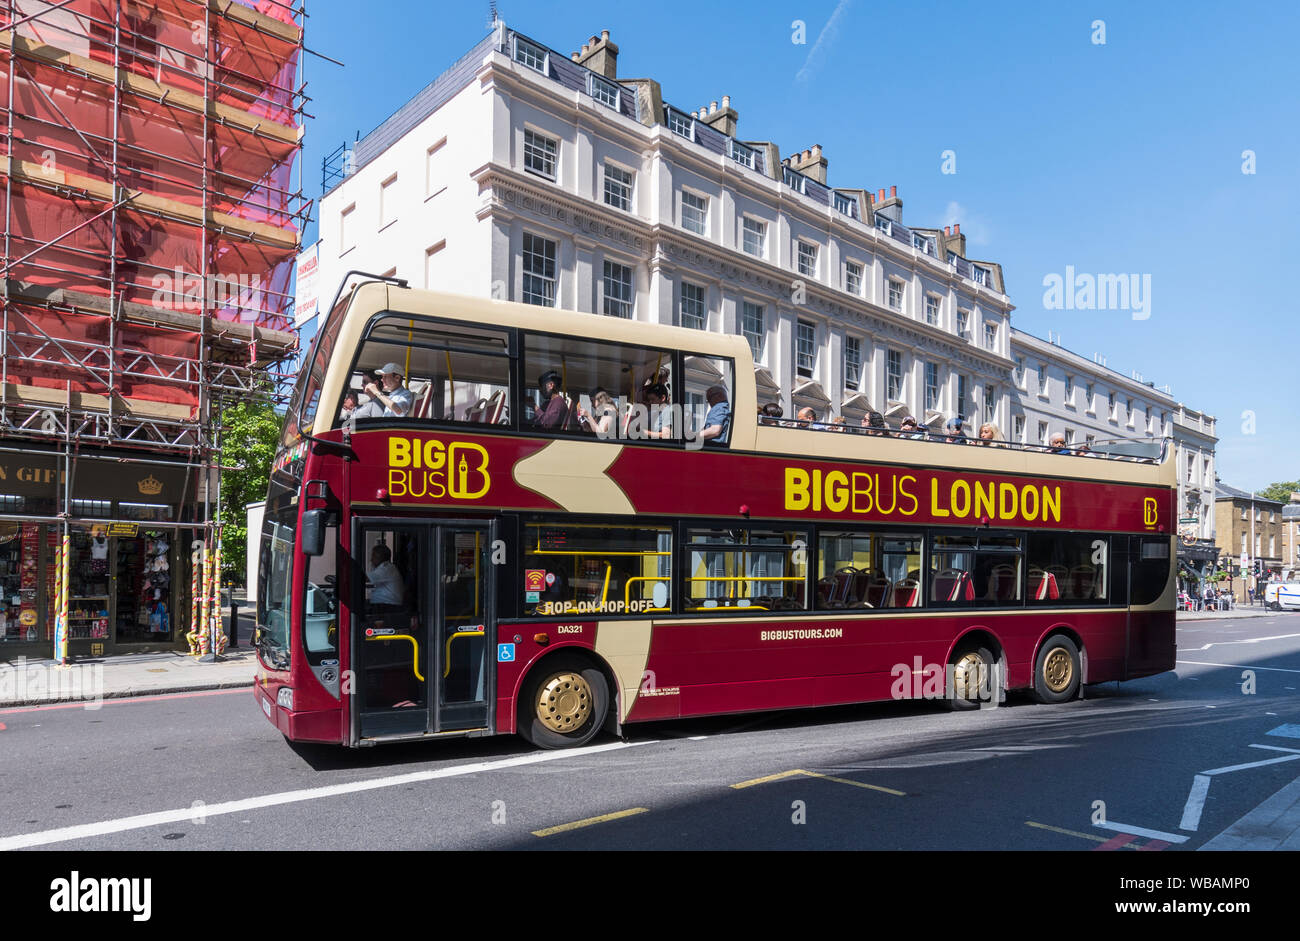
[[563, 704], [1057, 671]]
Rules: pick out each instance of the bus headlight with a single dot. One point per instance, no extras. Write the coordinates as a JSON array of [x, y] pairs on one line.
[[285, 698]]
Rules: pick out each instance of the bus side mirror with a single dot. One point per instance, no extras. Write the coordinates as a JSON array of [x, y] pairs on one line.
[[313, 532]]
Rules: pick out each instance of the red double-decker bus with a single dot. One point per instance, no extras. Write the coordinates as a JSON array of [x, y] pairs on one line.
[[495, 518]]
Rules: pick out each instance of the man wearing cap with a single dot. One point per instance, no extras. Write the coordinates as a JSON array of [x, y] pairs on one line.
[[953, 430], [392, 400], [909, 428]]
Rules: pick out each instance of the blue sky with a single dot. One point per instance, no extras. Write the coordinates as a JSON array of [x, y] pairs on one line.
[[1122, 157]]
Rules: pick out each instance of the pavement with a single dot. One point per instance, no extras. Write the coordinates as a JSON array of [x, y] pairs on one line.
[[39, 681], [1244, 611]]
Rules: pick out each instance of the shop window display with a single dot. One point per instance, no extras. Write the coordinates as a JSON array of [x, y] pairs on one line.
[[144, 588]]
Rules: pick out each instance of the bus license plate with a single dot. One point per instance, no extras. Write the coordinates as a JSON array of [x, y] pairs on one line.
[[266, 705]]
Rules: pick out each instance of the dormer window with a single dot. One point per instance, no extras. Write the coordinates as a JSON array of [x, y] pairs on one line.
[[680, 124], [979, 275], [846, 205], [883, 224], [793, 180], [530, 54], [745, 156], [923, 243], [603, 90]]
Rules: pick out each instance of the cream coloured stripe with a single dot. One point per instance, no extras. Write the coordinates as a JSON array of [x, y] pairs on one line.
[[573, 474]]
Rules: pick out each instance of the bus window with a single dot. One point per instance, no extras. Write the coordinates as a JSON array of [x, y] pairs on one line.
[[584, 569], [320, 615], [977, 569], [744, 570], [1149, 568], [1067, 567], [603, 390], [414, 369], [850, 572], [275, 593], [709, 387]]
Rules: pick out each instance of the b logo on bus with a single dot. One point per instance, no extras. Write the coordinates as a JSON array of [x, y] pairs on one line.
[[419, 467], [1150, 511]]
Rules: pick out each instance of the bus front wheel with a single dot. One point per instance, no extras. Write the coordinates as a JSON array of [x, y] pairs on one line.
[[1057, 671], [563, 704]]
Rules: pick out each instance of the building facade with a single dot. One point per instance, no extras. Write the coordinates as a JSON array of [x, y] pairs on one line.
[[1249, 527], [528, 175], [1057, 390]]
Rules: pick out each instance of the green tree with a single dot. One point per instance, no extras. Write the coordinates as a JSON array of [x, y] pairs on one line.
[[1281, 492], [251, 434]]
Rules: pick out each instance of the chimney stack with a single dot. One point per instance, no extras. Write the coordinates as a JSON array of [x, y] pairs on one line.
[[891, 207], [722, 119], [810, 163], [600, 55], [955, 242]]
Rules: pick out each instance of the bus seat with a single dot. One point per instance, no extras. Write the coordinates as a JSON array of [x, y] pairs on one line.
[[1083, 581], [825, 591], [844, 585], [1043, 585], [496, 407], [906, 594], [476, 411], [1002, 582], [952, 585], [423, 401], [876, 593]]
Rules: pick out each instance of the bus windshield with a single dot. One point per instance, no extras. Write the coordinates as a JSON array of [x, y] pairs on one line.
[[275, 593]]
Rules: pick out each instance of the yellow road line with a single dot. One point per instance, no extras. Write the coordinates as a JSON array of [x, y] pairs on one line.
[[1086, 836], [825, 777], [590, 821], [770, 777], [870, 787]]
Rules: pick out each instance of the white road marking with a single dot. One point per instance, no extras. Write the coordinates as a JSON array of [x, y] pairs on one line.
[[1295, 751], [1252, 640], [1142, 831], [1252, 764], [1236, 666], [1195, 802], [141, 821]]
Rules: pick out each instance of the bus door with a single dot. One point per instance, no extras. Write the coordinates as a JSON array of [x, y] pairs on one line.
[[422, 628]]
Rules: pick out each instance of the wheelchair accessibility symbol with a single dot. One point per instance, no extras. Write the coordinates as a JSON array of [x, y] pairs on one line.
[[505, 653]]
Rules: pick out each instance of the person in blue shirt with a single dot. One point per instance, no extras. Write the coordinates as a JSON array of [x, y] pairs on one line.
[[392, 400], [717, 423]]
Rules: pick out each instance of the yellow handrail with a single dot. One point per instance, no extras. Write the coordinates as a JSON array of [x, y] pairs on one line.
[[415, 656], [446, 655]]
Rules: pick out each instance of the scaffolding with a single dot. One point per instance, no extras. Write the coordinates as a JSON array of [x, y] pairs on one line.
[[153, 210]]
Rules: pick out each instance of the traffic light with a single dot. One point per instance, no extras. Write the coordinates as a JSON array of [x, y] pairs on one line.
[[1257, 568]]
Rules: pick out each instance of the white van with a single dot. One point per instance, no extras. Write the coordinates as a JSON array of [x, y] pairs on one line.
[[1282, 596]]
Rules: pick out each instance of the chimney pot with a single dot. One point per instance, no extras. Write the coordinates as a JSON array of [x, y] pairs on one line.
[[947, 230], [807, 155], [882, 195], [585, 47], [713, 107], [593, 39], [726, 102], [893, 192], [573, 56], [817, 150], [956, 228], [604, 35]]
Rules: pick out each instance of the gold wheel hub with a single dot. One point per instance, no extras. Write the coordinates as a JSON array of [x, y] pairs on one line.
[[1058, 670], [564, 702], [969, 676]]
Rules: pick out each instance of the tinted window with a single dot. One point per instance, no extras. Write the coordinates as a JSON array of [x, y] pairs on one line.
[[743, 570], [1149, 568], [1068, 568], [975, 569], [442, 373], [596, 569], [868, 570]]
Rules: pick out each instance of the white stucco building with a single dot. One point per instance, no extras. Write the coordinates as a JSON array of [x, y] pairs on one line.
[[527, 174]]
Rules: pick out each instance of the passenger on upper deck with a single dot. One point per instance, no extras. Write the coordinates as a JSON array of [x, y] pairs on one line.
[[553, 414], [604, 414], [954, 430], [989, 434], [806, 414], [839, 424], [1056, 444], [655, 398], [717, 423], [348, 412], [875, 425], [909, 429], [388, 397]]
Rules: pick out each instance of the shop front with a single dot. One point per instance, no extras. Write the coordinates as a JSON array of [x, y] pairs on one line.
[[127, 574], [1198, 559]]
